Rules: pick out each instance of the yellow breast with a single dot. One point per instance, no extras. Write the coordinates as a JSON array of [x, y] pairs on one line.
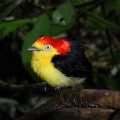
[[47, 72]]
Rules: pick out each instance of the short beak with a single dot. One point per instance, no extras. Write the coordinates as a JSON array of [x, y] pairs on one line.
[[32, 48]]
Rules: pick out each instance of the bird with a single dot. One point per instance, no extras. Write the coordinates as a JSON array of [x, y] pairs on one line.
[[60, 62]]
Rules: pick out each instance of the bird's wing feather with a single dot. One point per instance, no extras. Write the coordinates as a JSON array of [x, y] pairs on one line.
[[75, 64]]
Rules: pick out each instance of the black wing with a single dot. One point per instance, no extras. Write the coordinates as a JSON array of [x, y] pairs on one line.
[[75, 64]]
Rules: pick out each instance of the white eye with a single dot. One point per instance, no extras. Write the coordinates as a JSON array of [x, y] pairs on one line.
[[48, 47]]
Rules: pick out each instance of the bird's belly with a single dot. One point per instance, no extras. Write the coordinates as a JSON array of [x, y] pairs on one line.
[[50, 74]]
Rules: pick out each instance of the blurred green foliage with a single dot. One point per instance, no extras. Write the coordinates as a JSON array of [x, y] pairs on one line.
[[7, 27], [95, 22]]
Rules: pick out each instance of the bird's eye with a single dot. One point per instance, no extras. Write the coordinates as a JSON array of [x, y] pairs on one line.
[[48, 47]]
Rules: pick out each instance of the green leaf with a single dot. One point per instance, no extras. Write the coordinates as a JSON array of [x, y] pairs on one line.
[[7, 27], [41, 27], [58, 29], [64, 14]]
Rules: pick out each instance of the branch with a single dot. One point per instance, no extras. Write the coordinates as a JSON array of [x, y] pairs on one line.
[[84, 99], [85, 114], [13, 89], [65, 99]]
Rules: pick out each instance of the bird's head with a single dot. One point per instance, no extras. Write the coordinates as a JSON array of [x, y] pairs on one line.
[[49, 47]]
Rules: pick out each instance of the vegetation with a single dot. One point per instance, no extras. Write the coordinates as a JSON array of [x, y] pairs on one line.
[[97, 23]]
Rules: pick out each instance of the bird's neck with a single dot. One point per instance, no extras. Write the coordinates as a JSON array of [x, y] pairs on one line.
[[41, 59]]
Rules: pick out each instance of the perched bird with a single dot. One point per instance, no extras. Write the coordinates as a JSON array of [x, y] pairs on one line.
[[60, 62]]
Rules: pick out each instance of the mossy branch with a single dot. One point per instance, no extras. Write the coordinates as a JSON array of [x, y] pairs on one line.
[[84, 99]]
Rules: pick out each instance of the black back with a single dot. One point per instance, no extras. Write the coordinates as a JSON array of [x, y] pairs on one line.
[[74, 64]]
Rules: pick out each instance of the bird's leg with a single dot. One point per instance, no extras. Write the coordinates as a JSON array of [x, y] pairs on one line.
[[61, 88], [57, 88]]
